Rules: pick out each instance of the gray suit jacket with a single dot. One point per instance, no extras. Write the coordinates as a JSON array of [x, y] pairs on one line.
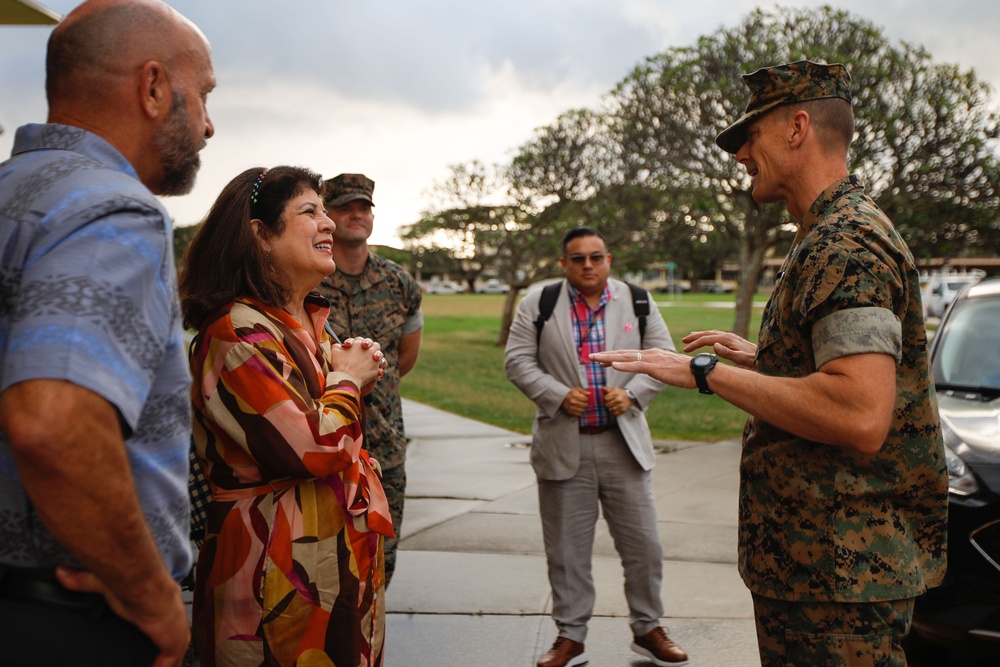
[[546, 372]]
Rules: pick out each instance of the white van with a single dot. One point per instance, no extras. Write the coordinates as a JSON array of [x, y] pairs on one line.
[[942, 286], [443, 287]]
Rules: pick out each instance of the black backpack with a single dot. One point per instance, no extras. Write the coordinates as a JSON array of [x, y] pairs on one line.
[[550, 294]]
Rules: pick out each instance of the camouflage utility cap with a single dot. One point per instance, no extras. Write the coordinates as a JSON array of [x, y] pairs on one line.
[[800, 81], [348, 187]]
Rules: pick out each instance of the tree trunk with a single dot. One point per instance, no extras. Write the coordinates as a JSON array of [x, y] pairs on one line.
[[508, 315], [753, 251], [750, 274]]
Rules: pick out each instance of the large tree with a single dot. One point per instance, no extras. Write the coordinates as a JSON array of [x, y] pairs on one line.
[[924, 132], [464, 223], [486, 226], [511, 219]]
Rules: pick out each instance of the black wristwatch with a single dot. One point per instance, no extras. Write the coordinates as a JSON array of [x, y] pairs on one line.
[[701, 365]]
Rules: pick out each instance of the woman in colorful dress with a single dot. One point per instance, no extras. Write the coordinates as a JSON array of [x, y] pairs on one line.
[[290, 572]]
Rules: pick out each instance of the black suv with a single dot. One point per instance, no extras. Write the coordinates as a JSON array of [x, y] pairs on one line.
[[959, 622]]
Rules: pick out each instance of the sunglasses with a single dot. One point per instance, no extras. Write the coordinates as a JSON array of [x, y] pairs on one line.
[[596, 258]]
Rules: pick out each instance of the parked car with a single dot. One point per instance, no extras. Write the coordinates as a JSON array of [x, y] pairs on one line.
[[715, 287], [677, 286], [443, 287], [493, 286], [958, 623], [942, 288]]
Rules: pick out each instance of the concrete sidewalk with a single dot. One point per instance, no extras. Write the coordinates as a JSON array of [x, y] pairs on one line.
[[470, 586]]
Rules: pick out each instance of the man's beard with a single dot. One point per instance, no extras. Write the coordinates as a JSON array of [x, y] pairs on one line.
[[177, 150]]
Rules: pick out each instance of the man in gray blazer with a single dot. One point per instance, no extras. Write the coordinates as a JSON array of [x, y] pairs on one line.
[[591, 443]]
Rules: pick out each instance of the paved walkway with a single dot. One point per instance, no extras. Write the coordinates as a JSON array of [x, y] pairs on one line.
[[470, 586]]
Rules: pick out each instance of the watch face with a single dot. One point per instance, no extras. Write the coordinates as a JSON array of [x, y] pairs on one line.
[[701, 366]]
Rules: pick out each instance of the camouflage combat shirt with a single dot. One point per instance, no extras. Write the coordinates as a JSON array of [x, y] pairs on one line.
[[384, 305], [820, 522]]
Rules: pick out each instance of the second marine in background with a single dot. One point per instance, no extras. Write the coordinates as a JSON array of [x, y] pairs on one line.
[[373, 297]]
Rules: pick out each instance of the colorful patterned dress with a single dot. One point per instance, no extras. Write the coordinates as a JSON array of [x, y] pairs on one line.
[[291, 569]]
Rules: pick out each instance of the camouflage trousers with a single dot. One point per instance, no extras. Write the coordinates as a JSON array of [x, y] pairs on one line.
[[831, 634], [394, 483]]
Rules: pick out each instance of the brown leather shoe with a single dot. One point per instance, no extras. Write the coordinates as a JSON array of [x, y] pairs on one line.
[[564, 653], [659, 648]]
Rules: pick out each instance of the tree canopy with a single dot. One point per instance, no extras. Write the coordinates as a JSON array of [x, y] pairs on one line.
[[645, 169]]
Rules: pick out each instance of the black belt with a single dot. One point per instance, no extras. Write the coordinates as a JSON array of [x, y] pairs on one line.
[[595, 430], [41, 585]]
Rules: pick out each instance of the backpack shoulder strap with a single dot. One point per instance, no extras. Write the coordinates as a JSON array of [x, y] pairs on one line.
[[640, 306], [547, 303]]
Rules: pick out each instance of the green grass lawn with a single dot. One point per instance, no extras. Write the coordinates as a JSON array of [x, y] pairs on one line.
[[460, 368]]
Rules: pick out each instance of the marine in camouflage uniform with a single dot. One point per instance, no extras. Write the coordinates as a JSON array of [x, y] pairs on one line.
[[821, 523], [835, 544], [381, 302], [843, 489]]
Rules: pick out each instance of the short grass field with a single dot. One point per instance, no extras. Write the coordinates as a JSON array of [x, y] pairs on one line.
[[460, 368]]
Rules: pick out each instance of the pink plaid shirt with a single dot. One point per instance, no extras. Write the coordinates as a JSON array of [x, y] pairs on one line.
[[589, 336]]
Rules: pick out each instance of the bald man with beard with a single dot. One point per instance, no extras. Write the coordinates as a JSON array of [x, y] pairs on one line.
[[94, 416]]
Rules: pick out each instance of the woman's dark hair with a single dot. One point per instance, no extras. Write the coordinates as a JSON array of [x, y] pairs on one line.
[[225, 260]]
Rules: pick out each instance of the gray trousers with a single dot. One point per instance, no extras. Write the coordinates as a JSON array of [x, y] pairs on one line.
[[608, 474]]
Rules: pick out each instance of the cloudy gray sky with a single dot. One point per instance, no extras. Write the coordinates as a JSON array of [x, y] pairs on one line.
[[399, 89]]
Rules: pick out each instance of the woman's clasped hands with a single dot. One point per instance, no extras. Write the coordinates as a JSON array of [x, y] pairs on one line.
[[361, 358]]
